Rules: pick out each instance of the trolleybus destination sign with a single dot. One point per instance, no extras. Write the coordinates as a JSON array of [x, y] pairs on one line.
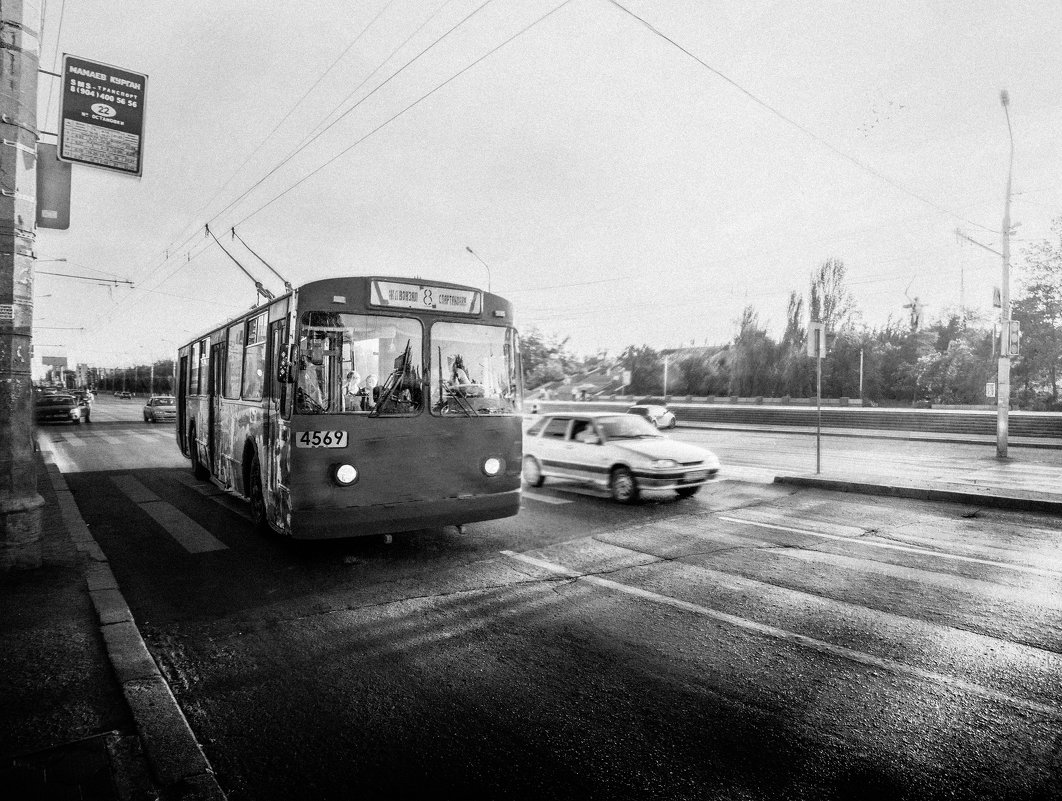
[[425, 296], [101, 116]]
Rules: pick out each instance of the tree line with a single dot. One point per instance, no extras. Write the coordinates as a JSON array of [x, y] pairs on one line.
[[907, 361]]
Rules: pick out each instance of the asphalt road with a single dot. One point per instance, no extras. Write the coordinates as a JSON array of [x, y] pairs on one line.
[[752, 642]]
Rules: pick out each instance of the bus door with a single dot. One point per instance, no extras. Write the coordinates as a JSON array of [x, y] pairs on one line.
[[217, 365], [182, 405], [278, 392]]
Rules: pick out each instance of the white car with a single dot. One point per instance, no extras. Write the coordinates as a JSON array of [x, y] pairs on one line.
[[659, 416], [622, 453]]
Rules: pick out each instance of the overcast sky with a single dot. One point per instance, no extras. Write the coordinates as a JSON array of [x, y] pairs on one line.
[[622, 188]]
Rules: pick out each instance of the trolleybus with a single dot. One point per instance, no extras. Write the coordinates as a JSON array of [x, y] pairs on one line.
[[354, 406]]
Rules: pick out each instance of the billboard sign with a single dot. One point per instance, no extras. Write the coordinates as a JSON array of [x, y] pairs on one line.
[[101, 116]]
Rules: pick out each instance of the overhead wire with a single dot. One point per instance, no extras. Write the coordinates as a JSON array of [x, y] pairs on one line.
[[412, 105], [181, 264], [283, 119], [320, 133], [799, 126]]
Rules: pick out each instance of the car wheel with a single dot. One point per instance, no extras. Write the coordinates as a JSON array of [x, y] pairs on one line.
[[77, 420], [88, 418], [533, 472], [623, 486], [198, 470], [674, 422], [688, 492], [257, 498]]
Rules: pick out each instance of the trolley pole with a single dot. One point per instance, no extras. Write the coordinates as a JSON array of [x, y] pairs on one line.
[[20, 504]]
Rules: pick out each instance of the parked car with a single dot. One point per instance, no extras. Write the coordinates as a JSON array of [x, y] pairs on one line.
[[659, 416], [160, 409], [622, 453], [60, 408], [124, 395]]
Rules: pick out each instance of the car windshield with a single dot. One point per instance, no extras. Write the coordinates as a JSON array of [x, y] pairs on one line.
[[164, 401], [627, 426]]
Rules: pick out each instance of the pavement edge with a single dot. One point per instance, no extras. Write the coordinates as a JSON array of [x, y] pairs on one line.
[[1024, 502], [176, 757]]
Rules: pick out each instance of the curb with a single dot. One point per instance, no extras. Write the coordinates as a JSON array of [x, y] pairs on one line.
[[926, 493], [177, 760], [867, 433]]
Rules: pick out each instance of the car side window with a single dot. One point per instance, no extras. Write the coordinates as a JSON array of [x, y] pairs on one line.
[[579, 427], [556, 428]]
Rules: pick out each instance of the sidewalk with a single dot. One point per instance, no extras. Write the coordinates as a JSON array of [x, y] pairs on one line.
[[84, 711]]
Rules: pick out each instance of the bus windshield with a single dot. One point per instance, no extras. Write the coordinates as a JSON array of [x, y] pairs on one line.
[[473, 369], [358, 364]]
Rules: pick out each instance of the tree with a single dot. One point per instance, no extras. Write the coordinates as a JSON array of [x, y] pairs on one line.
[[831, 301], [544, 359], [1039, 310], [753, 367]]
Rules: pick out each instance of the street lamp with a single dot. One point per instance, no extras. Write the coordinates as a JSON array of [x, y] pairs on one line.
[[481, 262], [1003, 378]]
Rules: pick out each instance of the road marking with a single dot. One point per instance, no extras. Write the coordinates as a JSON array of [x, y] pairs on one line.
[[1040, 571], [110, 440], [48, 445], [792, 637], [192, 536], [217, 495], [534, 496]]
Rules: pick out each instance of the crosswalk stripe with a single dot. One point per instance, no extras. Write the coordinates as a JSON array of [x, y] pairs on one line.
[[774, 632], [192, 536]]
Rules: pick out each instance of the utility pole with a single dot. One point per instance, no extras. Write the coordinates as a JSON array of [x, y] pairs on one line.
[[666, 359], [1003, 387], [20, 503]]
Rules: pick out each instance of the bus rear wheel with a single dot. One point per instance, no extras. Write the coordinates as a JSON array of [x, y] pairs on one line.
[[198, 470], [257, 498]]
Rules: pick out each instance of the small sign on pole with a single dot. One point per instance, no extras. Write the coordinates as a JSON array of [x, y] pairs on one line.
[[101, 116], [816, 340], [990, 389]]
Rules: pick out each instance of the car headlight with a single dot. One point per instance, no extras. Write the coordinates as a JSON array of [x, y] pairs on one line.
[[660, 464], [344, 474], [492, 465]]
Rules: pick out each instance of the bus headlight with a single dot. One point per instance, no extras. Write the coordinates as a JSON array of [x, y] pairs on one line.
[[344, 474], [493, 465]]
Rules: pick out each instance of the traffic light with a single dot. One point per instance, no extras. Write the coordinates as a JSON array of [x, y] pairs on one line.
[[1013, 337]]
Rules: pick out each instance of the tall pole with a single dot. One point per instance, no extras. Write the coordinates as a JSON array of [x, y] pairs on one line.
[[481, 262], [1003, 379], [665, 377], [20, 503]]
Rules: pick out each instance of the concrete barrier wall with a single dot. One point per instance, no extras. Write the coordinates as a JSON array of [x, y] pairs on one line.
[[965, 421]]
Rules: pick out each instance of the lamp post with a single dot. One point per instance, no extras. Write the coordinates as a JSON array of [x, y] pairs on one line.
[[1003, 378], [481, 262]]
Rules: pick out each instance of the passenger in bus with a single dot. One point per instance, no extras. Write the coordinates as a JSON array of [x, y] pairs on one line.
[[310, 396], [370, 393], [459, 375], [351, 391]]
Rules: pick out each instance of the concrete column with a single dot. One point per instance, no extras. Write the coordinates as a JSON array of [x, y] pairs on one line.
[[20, 505]]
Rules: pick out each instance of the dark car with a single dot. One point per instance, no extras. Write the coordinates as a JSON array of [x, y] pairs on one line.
[[160, 408], [124, 396], [60, 409]]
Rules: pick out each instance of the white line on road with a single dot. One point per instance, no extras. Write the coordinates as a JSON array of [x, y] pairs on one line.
[[534, 496], [1040, 571], [110, 440], [789, 636], [192, 536]]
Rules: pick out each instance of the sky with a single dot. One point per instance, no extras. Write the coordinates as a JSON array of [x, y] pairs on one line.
[[626, 173]]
